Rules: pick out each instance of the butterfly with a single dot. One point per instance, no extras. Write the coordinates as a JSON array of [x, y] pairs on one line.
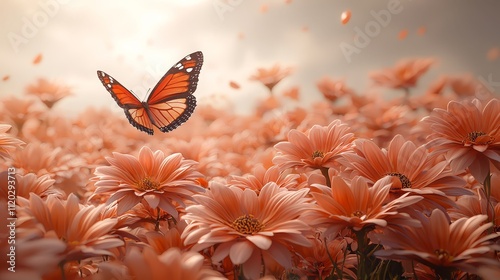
[[170, 103]]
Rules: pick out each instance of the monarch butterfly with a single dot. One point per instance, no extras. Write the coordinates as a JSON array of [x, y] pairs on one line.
[[170, 103]]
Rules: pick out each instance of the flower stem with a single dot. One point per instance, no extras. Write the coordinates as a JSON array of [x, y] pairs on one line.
[[324, 171], [406, 99], [362, 272], [487, 192]]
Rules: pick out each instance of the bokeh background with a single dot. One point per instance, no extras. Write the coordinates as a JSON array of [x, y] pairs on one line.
[[138, 41]]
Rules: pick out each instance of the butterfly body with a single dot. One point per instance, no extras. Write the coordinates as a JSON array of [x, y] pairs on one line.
[[170, 103]]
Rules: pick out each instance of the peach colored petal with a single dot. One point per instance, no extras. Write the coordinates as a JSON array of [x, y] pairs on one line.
[[240, 252]]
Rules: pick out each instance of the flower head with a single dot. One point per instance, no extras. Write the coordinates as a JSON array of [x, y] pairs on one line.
[[8, 142], [150, 178], [42, 186], [440, 245], [319, 148], [405, 74], [333, 89], [48, 92], [178, 265], [261, 177], [468, 133], [411, 168], [272, 76], [357, 206], [83, 229], [248, 227]]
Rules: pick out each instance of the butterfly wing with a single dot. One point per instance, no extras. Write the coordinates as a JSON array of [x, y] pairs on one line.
[[172, 102], [135, 111]]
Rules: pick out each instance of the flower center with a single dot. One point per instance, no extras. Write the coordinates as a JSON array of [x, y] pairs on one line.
[[477, 138], [405, 182], [247, 224], [442, 255], [317, 154], [358, 214], [147, 184]]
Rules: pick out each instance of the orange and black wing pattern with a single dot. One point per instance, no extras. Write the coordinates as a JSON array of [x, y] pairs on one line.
[[137, 114], [172, 102]]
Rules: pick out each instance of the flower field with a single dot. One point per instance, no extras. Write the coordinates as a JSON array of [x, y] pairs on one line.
[[356, 186]]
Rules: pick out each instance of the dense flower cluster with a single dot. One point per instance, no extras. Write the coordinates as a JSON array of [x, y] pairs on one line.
[[356, 187]]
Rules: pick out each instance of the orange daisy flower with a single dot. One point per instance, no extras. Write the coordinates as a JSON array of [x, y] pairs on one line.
[[150, 178], [248, 227], [404, 75], [319, 148], [412, 169], [461, 245], [48, 92], [271, 77], [316, 262], [19, 110], [84, 230], [35, 256], [468, 133], [50, 160], [8, 142], [172, 264], [357, 206], [42, 186], [261, 177], [333, 89]]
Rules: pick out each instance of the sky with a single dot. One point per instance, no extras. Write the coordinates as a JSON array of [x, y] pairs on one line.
[[138, 41]]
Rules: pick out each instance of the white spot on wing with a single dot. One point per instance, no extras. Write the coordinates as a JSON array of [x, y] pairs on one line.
[[179, 66]]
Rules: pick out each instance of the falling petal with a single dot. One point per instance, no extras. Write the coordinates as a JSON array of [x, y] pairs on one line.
[[234, 85], [421, 30], [403, 34], [493, 54], [37, 59], [345, 16], [264, 8]]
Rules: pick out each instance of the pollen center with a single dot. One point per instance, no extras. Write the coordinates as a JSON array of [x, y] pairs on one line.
[[477, 138], [358, 214], [442, 255], [247, 224], [147, 184], [317, 154], [405, 182]]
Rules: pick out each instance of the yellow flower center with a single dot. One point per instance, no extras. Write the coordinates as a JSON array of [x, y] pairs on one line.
[[477, 138], [147, 184], [443, 255], [317, 154], [247, 224], [405, 182], [358, 214]]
